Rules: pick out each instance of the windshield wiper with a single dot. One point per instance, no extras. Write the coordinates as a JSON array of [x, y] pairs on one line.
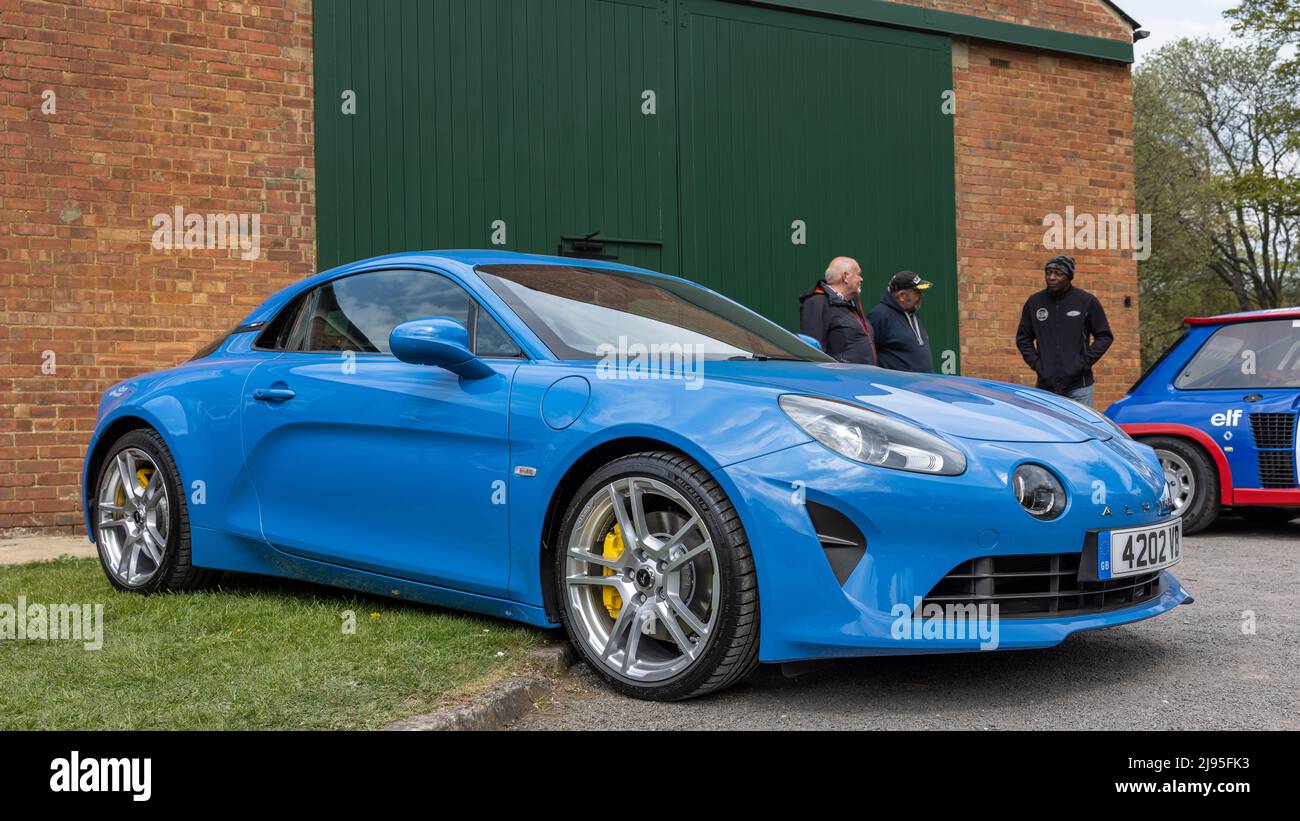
[[749, 357]]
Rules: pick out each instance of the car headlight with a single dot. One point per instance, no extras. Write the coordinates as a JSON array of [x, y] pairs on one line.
[[873, 438], [1038, 491]]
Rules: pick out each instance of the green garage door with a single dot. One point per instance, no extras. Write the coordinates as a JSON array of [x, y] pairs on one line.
[[741, 147]]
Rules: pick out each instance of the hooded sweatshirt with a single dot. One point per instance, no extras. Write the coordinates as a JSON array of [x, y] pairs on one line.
[[837, 323], [902, 343]]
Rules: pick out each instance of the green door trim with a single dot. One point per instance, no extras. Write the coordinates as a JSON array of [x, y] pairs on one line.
[[964, 25]]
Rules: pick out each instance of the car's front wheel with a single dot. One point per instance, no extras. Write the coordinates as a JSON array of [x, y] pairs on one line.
[[141, 521], [1192, 478], [655, 579]]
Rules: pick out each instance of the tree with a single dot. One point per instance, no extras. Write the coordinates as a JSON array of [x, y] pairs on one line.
[[1217, 170]]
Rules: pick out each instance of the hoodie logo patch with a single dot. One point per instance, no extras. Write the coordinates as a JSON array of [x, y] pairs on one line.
[[1042, 314], [1073, 313]]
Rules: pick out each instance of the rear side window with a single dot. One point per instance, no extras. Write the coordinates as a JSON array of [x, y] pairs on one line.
[[358, 313], [1245, 356]]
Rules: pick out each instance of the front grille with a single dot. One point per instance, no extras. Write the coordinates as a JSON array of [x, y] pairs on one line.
[[1038, 586], [1276, 469], [1273, 430]]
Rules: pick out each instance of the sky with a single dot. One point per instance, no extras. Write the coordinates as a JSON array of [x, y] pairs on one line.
[[1170, 19]]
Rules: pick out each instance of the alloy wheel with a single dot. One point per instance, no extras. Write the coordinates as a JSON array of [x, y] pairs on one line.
[[642, 580], [133, 514]]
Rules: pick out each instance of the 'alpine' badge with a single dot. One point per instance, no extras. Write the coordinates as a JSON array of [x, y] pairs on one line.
[[1042, 314]]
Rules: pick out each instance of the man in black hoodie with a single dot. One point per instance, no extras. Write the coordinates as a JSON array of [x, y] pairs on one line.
[[829, 313], [1063, 332], [902, 343]]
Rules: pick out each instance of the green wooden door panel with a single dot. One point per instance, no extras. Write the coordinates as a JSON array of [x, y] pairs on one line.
[[524, 121], [791, 121], [478, 120]]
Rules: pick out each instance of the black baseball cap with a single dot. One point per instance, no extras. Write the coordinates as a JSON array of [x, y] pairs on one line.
[[908, 279]]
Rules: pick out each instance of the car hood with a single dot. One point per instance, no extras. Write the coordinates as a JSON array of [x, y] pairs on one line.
[[953, 405]]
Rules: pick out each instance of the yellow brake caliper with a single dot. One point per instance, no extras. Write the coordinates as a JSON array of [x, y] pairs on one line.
[[613, 548], [142, 476]]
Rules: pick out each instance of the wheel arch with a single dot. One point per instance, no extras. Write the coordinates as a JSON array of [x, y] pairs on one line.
[[107, 437], [565, 489], [1197, 437]]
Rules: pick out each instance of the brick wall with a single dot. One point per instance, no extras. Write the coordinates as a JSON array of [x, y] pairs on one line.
[[1092, 17], [206, 106], [1036, 133]]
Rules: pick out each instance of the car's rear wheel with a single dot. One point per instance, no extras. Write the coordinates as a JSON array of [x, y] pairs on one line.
[[655, 579], [1193, 481], [141, 521]]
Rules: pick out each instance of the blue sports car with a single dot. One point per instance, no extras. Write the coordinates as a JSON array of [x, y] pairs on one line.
[[683, 485], [1220, 409]]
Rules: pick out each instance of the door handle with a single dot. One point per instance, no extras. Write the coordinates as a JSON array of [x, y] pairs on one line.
[[273, 394]]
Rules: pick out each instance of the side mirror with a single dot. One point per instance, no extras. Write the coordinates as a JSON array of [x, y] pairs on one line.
[[439, 341], [809, 341]]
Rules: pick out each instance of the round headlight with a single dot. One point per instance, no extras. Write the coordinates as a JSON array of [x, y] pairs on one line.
[[1039, 492]]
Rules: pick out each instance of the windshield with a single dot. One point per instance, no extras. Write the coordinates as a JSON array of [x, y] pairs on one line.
[[585, 313]]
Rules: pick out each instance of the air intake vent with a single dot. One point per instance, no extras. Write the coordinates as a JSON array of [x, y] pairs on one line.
[[841, 540], [1273, 430], [1277, 469], [1038, 586]]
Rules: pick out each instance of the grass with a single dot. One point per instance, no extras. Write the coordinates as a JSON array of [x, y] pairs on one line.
[[255, 654]]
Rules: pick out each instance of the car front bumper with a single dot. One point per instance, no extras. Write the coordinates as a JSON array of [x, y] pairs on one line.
[[917, 529]]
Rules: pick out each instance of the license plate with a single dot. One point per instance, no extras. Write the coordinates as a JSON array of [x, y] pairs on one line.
[[1138, 549]]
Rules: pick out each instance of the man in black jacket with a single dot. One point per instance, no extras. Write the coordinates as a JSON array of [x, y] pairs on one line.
[[829, 312], [902, 343], [1063, 332]]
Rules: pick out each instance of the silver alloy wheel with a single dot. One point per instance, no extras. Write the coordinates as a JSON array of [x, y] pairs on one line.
[[666, 577], [133, 515], [1179, 476]]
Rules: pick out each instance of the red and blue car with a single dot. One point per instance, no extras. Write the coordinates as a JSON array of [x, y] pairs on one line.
[[1220, 410]]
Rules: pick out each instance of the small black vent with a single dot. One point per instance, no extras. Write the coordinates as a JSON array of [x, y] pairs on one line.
[[841, 540], [1277, 469], [1036, 586], [1273, 430]]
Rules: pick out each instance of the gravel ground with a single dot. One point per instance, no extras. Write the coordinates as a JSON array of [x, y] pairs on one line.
[[1193, 668]]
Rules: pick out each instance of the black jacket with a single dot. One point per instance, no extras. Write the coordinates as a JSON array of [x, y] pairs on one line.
[[1062, 337], [837, 323], [902, 343]]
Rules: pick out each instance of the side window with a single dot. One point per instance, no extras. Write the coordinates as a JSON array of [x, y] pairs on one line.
[[1246, 355], [358, 313], [490, 339]]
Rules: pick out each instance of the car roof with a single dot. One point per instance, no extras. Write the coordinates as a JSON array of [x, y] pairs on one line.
[[1245, 316]]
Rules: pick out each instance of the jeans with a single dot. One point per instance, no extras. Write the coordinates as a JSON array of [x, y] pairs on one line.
[[1081, 395]]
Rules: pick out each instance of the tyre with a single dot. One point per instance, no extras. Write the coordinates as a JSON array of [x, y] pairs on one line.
[[142, 525], [1193, 480], [1268, 515], [655, 579]]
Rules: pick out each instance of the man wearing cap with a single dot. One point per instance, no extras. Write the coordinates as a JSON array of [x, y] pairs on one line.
[[829, 312], [1063, 332], [902, 343]]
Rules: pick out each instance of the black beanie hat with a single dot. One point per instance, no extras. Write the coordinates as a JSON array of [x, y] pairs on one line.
[[1063, 264]]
